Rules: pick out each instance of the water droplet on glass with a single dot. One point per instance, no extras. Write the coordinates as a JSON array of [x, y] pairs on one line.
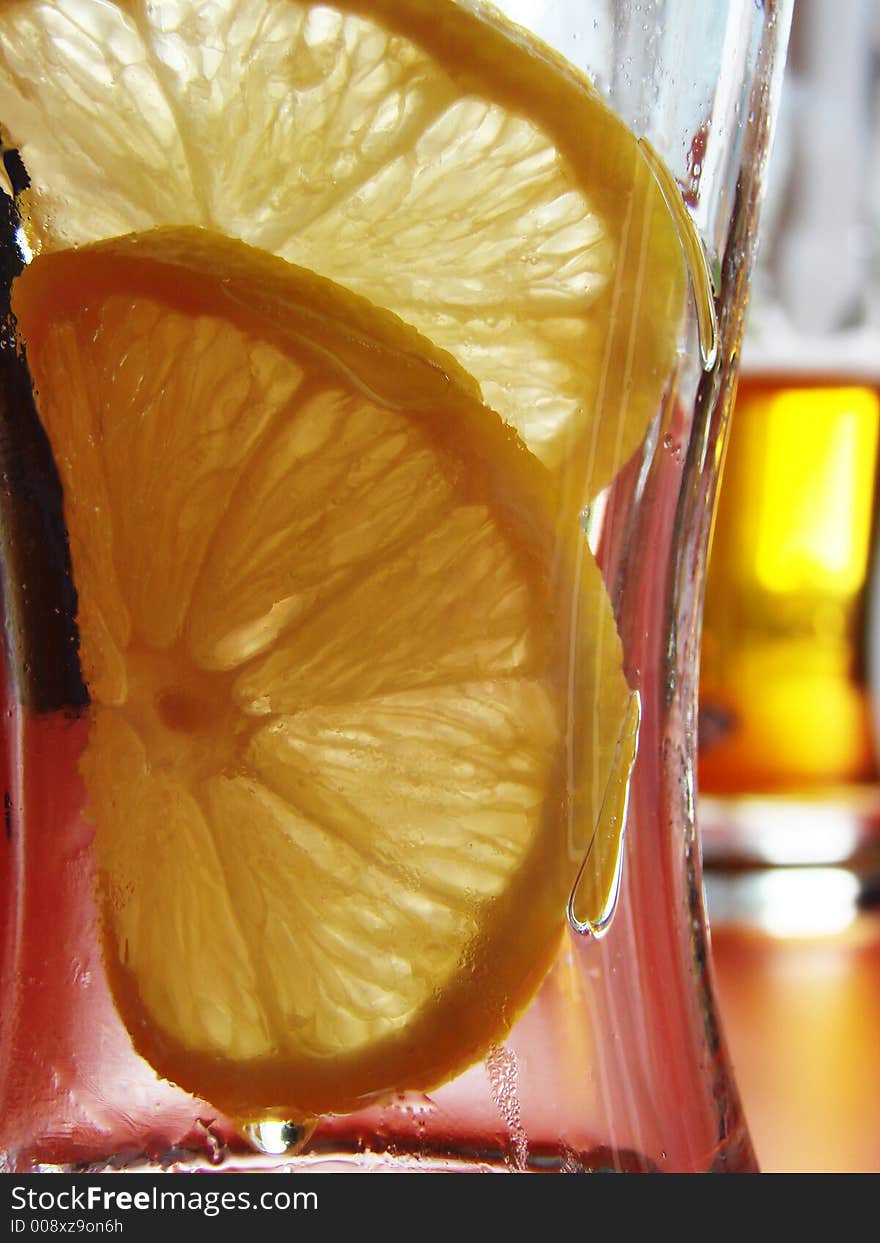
[[594, 895], [279, 1139]]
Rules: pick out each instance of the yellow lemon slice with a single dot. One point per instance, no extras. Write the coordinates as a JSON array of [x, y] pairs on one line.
[[428, 155], [355, 699]]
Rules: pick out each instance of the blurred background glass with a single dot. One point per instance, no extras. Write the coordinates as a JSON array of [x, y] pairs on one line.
[[788, 755]]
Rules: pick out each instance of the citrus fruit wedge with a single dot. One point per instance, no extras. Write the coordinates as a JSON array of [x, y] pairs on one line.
[[355, 698], [428, 155]]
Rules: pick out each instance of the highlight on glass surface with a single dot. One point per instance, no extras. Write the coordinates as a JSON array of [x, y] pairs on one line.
[[362, 397]]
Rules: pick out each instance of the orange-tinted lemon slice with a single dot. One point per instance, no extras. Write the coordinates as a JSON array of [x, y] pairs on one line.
[[355, 699]]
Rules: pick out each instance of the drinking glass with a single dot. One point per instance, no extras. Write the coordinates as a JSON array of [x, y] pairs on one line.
[[613, 1058]]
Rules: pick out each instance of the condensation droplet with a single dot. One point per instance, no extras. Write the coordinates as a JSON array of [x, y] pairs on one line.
[[593, 898], [279, 1139]]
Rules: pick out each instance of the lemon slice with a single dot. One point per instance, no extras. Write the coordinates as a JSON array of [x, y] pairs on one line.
[[355, 699], [428, 155]]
